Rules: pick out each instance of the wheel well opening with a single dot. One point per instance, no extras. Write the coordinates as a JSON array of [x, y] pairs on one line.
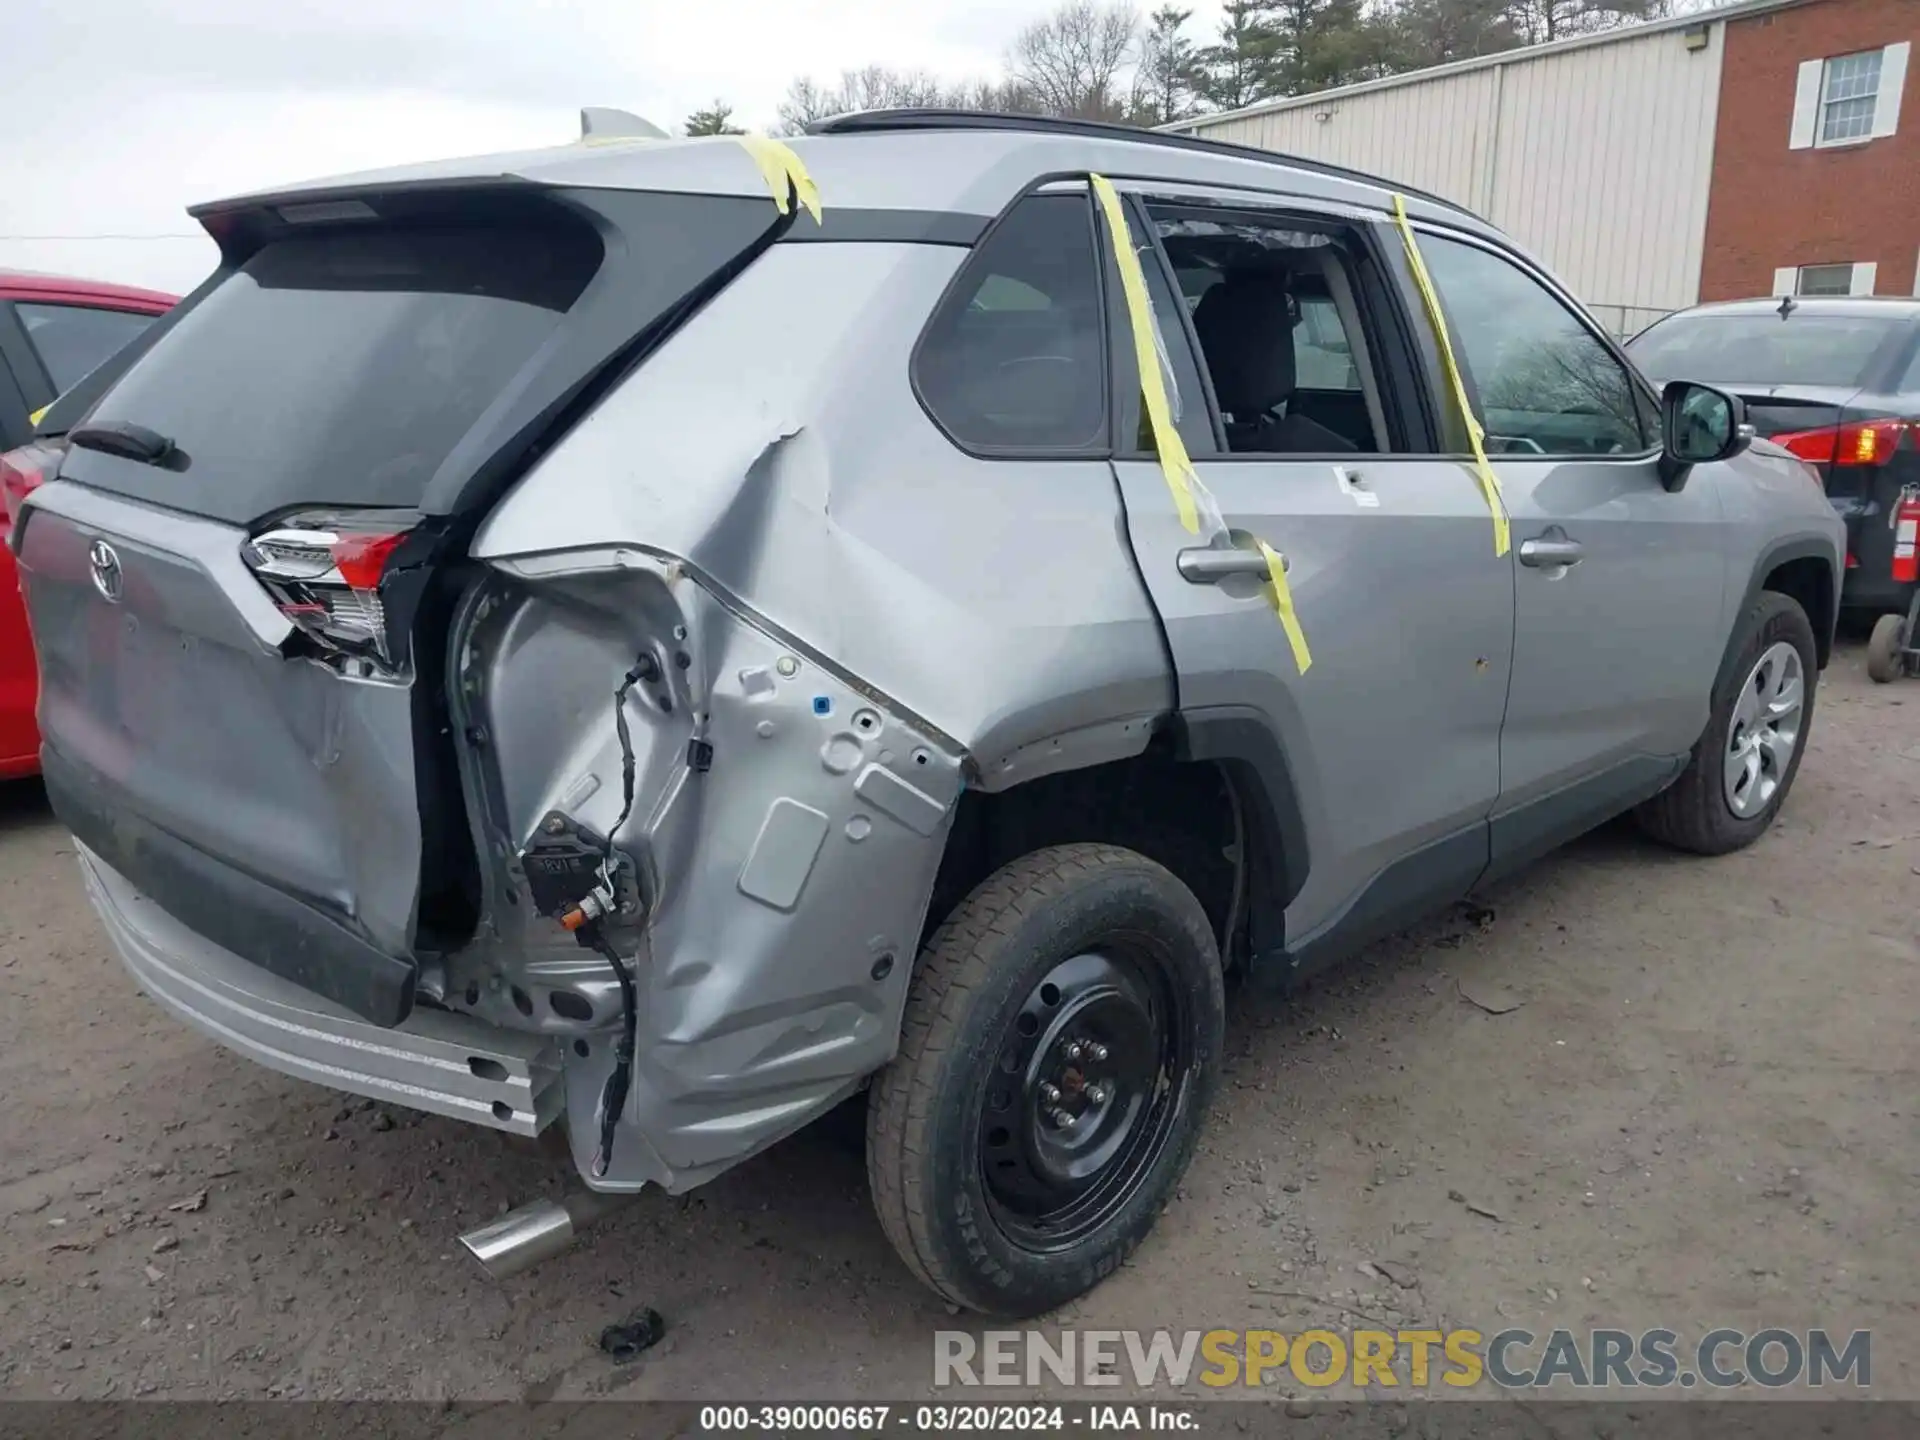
[[1809, 582], [1187, 816]]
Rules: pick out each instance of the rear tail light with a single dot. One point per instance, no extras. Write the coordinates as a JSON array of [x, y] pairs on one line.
[[1862, 442], [22, 472], [324, 572], [1906, 532]]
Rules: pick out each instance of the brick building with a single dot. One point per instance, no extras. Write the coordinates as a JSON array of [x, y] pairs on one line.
[[1816, 183], [1753, 149]]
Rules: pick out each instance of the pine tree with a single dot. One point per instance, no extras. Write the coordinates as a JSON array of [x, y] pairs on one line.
[[1240, 69], [716, 119]]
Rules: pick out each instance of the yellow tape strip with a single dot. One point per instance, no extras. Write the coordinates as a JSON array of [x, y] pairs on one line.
[[34, 418], [1175, 463], [1182, 479], [1281, 595], [783, 171], [1476, 436]]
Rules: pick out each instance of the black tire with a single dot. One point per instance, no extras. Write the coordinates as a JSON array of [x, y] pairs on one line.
[[1884, 661], [1693, 813], [929, 1125]]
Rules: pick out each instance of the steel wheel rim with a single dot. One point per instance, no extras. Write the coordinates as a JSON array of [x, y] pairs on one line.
[[1086, 1086], [1765, 730]]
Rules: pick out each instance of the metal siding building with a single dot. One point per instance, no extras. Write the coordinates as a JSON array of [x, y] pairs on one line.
[[1595, 153]]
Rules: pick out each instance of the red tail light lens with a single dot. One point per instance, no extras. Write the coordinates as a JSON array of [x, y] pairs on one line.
[[1813, 446], [1863, 442], [22, 472], [324, 572], [362, 558]]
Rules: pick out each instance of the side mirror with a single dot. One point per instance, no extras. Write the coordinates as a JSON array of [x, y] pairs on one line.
[[1699, 425]]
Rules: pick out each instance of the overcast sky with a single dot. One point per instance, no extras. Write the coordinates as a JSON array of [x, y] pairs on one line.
[[120, 113]]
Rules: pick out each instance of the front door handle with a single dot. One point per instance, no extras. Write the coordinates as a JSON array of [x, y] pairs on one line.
[[1560, 551], [1204, 565]]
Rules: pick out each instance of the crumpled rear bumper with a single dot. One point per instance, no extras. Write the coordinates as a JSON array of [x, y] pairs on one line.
[[447, 1064]]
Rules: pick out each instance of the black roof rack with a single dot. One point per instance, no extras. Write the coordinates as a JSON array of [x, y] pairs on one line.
[[868, 122]]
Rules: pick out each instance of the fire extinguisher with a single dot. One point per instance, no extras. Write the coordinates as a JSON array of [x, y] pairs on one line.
[[1905, 522]]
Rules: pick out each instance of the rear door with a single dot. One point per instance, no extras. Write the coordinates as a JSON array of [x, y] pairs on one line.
[[1392, 732], [1619, 587], [237, 580]]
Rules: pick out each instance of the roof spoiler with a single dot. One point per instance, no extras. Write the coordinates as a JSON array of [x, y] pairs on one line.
[[598, 122]]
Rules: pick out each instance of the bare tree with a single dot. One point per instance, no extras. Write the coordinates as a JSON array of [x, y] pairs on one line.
[[878, 88], [1072, 61], [806, 101], [1008, 97]]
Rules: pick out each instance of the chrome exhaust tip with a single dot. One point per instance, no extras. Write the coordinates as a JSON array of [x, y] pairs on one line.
[[522, 1238]]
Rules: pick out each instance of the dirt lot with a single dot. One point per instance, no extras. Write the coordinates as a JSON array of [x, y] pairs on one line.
[[1702, 1112]]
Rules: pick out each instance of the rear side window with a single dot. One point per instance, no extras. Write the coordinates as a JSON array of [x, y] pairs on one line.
[[1014, 358], [71, 339], [342, 369], [1277, 321]]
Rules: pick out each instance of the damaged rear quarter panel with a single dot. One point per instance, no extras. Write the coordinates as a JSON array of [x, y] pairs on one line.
[[767, 477], [785, 885], [775, 443]]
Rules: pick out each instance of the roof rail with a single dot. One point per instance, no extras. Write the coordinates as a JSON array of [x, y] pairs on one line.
[[863, 122]]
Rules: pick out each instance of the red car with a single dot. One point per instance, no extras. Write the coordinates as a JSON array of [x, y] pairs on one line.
[[54, 332]]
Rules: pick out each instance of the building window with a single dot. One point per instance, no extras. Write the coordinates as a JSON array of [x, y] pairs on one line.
[[1855, 279], [1824, 280], [1848, 91], [1848, 99]]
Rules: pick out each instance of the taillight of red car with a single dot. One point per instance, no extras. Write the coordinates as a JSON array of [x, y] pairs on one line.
[[23, 471], [1859, 442]]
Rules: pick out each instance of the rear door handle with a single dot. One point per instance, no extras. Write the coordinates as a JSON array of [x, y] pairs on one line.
[[1206, 566], [1540, 553]]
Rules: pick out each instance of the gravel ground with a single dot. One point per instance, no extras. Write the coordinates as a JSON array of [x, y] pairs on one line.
[[1702, 1112]]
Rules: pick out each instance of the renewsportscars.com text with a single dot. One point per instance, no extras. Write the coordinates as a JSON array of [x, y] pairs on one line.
[[1511, 1359]]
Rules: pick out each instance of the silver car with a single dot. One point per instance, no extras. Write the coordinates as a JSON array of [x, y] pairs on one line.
[[659, 637]]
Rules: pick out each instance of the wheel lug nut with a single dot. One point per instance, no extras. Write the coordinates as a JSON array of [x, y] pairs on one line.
[[1096, 1051], [1050, 1093], [1074, 1050], [1097, 1094], [1061, 1118]]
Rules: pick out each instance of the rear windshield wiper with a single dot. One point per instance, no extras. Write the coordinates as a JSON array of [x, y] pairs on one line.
[[130, 442]]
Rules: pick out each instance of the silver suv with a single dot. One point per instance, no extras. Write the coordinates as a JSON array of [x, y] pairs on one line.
[[666, 635]]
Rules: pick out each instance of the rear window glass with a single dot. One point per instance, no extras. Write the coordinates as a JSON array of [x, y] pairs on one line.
[[1763, 349], [1014, 360], [342, 369], [71, 339]]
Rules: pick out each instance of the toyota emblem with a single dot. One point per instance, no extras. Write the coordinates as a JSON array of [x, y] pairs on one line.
[[107, 578]]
